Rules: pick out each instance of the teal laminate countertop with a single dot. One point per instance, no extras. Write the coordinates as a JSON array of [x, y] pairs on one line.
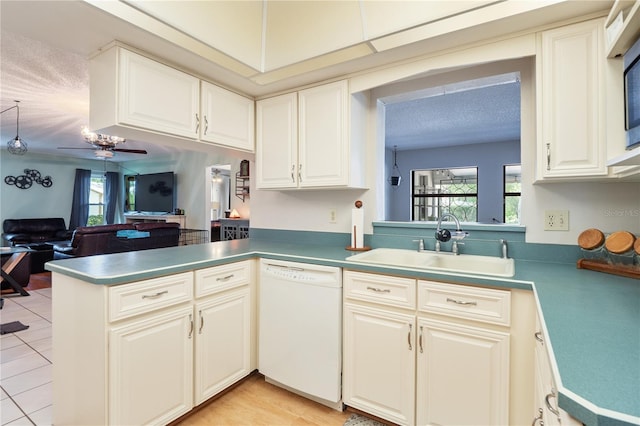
[[592, 319]]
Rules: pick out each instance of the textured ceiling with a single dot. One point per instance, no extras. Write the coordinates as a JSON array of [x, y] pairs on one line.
[[473, 115]]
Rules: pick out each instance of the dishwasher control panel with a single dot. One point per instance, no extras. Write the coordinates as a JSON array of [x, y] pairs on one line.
[[303, 273]]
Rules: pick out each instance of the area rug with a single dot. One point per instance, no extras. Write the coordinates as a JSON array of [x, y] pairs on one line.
[[12, 327], [358, 420]]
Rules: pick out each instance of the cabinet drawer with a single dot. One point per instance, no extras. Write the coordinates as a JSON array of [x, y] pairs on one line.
[[146, 296], [479, 304], [383, 289], [223, 277]]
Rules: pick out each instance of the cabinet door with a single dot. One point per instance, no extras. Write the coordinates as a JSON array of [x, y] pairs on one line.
[[463, 375], [223, 343], [324, 135], [570, 67], [151, 368], [379, 365], [156, 97], [277, 142], [227, 118]]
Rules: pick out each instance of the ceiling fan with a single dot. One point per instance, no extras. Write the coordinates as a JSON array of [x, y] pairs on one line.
[[104, 145]]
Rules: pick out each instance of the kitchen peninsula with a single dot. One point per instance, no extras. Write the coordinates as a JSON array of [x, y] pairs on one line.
[[590, 320]]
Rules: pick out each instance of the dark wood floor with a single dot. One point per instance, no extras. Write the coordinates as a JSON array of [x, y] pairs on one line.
[[36, 282]]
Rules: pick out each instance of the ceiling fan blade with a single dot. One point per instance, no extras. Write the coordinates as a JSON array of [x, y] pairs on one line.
[[71, 147], [132, 151]]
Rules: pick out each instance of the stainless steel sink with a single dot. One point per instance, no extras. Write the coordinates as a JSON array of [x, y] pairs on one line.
[[431, 260]]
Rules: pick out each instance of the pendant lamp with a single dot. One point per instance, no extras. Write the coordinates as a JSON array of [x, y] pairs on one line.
[[395, 177], [16, 145]]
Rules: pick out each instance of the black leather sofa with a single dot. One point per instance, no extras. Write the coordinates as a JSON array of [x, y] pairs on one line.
[[31, 231], [118, 238]]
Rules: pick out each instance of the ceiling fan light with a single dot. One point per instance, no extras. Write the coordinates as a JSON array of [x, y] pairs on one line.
[[17, 146], [104, 154]]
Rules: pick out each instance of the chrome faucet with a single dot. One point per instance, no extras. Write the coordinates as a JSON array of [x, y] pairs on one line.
[[503, 244], [445, 235], [420, 244]]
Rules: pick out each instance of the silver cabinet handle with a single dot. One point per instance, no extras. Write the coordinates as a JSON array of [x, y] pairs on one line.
[[293, 169], [206, 124], [409, 337], [420, 339], [538, 419], [548, 404], [379, 290], [153, 296], [226, 278], [548, 156], [538, 336], [197, 123], [299, 172], [191, 328], [201, 322], [461, 302]]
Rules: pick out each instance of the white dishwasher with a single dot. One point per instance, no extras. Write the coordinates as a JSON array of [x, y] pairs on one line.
[[300, 333]]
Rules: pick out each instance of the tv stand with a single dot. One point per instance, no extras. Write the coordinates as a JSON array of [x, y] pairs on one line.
[[133, 218]]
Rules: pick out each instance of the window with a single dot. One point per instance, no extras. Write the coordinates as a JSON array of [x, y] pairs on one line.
[[512, 190], [130, 193], [96, 200], [439, 191]]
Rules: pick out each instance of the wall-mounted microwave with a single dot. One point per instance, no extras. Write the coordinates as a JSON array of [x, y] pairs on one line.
[[631, 62]]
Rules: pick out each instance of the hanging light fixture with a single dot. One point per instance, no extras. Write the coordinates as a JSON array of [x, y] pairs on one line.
[[16, 145], [395, 177]]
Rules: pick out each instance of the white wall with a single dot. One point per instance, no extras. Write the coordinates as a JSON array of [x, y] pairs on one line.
[[190, 168], [55, 201], [38, 201]]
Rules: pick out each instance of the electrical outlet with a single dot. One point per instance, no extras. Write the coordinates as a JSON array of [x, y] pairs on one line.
[[556, 220], [333, 216]]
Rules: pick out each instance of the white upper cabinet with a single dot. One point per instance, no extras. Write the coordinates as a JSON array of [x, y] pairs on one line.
[[277, 142], [139, 98], [310, 139], [227, 118], [132, 90], [571, 101], [323, 120]]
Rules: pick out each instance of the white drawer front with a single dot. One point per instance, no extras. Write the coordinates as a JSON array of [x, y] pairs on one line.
[[382, 289], [223, 277], [479, 304], [145, 296]]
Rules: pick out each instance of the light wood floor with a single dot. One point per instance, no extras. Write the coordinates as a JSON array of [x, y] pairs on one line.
[[256, 402]]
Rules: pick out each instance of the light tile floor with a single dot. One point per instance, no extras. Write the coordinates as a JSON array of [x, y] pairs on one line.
[[25, 360]]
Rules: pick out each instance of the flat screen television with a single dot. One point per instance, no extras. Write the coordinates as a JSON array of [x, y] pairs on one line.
[[155, 193], [631, 63]]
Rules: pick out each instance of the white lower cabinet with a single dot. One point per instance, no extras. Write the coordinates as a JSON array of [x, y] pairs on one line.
[[223, 342], [379, 366], [463, 375], [146, 355], [439, 358], [547, 411], [147, 352]]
